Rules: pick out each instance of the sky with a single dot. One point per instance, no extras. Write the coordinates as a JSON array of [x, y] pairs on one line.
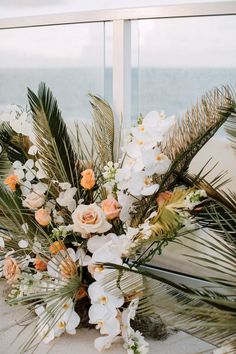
[[208, 42]]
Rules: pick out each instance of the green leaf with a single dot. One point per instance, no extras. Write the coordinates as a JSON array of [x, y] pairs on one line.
[[52, 138]]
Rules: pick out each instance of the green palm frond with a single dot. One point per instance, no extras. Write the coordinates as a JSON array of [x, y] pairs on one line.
[[52, 138], [103, 121], [193, 131], [15, 145]]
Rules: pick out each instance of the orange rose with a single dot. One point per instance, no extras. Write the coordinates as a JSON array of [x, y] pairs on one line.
[[43, 217], [56, 247], [111, 208], [88, 180], [39, 264], [11, 270], [163, 197], [11, 182]]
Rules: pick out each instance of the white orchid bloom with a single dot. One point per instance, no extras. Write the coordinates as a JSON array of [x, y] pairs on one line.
[[105, 342], [134, 340], [141, 184], [66, 198], [105, 319], [155, 162], [2, 242], [126, 201], [79, 256], [22, 124], [33, 150], [40, 173], [99, 295], [67, 319], [96, 242], [123, 176]]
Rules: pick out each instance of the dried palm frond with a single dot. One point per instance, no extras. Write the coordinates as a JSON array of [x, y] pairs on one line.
[[50, 294], [204, 313], [52, 138], [103, 125], [13, 216], [230, 129], [5, 164], [195, 128]]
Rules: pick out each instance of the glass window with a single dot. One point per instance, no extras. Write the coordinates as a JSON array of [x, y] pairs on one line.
[[177, 60], [70, 59]]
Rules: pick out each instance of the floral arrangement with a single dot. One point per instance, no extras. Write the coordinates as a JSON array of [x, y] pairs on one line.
[[79, 219]]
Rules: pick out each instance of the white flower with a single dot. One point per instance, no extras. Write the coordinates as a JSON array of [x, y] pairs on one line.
[[66, 198], [126, 202], [153, 129], [79, 256], [96, 242], [90, 219], [23, 244], [134, 340], [22, 124], [105, 319], [195, 198], [33, 150], [34, 200], [40, 173], [67, 320], [2, 242], [155, 162], [141, 184], [99, 295], [103, 343]]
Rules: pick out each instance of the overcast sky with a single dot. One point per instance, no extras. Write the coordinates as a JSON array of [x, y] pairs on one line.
[[206, 42]]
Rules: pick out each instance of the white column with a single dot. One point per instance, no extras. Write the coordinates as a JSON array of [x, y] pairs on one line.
[[122, 73]]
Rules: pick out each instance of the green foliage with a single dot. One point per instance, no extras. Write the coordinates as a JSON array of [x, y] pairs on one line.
[[52, 138]]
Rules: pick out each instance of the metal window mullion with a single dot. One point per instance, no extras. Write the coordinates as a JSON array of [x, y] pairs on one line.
[[122, 74]]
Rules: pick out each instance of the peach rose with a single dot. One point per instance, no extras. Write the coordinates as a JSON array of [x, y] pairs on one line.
[[57, 247], [88, 180], [11, 182], [111, 208], [163, 197], [11, 270], [68, 268], [89, 219], [43, 217], [39, 264]]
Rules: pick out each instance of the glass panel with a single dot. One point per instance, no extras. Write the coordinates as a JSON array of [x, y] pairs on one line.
[[69, 58], [177, 60]]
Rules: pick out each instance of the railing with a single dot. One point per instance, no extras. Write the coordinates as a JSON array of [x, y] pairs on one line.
[[121, 19]]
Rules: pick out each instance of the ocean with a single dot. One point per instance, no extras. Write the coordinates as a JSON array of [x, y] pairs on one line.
[[173, 90]]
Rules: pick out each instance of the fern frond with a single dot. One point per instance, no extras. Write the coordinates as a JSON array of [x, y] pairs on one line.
[[52, 138]]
